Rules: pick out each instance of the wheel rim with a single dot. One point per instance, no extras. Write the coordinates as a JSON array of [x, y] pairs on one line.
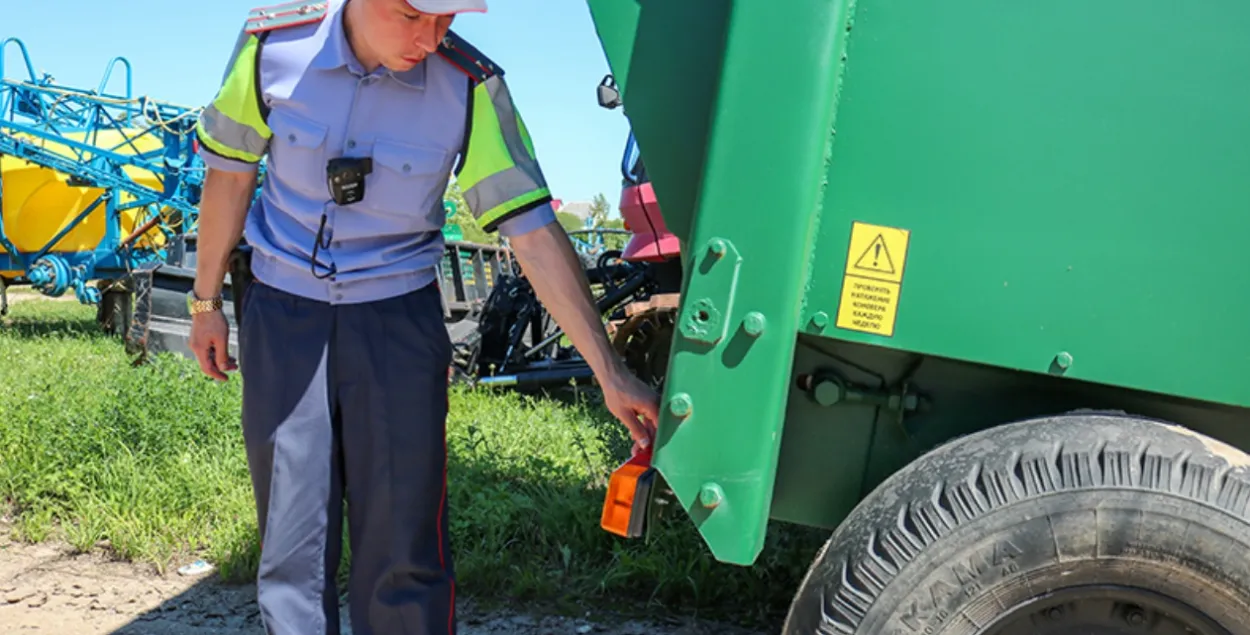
[[1103, 610]]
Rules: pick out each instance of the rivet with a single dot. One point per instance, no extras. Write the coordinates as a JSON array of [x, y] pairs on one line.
[[753, 324], [680, 405]]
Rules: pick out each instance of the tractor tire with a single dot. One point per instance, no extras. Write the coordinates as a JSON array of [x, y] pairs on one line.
[[1081, 523]]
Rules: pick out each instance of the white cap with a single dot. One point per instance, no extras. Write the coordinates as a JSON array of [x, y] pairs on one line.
[[444, 7]]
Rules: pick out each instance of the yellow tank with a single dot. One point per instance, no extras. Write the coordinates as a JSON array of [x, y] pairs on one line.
[[37, 202]]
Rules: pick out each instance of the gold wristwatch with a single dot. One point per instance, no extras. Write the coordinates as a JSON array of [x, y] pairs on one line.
[[196, 306]]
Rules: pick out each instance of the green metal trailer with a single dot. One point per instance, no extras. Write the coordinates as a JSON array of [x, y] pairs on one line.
[[964, 284]]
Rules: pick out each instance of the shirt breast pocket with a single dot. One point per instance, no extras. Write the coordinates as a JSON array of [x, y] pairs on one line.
[[409, 181], [298, 153]]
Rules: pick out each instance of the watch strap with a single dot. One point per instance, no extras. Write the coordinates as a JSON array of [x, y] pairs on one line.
[[197, 305]]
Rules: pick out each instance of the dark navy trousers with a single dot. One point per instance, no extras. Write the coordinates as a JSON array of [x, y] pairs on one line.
[[349, 402]]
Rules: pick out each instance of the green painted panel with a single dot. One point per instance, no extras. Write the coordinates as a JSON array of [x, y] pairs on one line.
[[616, 25], [1075, 177], [694, 69]]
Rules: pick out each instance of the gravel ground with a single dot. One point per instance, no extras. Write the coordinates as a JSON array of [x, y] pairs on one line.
[[47, 589]]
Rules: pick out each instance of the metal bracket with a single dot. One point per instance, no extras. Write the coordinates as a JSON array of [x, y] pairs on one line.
[[829, 389], [706, 318]]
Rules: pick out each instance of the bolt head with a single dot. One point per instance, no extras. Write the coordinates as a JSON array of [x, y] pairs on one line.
[[680, 405], [753, 324], [1063, 360], [718, 247], [828, 393], [711, 496]]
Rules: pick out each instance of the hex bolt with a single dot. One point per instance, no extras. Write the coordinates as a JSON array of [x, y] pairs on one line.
[[753, 323], [820, 320], [1063, 360], [680, 405], [1054, 613], [711, 495]]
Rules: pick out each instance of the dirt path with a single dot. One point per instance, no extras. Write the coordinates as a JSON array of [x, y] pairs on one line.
[[44, 589]]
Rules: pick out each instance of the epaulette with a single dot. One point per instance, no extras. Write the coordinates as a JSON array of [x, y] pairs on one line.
[[287, 14], [468, 59]]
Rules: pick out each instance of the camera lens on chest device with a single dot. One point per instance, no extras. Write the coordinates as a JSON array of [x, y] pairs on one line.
[[346, 178]]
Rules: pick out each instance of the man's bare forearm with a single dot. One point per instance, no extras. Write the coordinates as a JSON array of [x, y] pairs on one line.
[[553, 269], [223, 209]]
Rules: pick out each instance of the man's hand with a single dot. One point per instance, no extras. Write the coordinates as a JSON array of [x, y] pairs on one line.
[[633, 402], [556, 274], [210, 341], [223, 208]]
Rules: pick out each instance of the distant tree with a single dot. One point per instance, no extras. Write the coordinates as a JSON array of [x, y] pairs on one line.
[[464, 218], [569, 222], [599, 210]]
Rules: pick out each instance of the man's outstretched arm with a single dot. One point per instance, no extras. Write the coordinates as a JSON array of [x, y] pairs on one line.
[[551, 265]]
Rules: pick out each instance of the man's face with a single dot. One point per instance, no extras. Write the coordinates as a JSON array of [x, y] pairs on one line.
[[402, 36]]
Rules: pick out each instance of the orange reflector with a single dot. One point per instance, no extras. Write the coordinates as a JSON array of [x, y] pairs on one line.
[[630, 483]]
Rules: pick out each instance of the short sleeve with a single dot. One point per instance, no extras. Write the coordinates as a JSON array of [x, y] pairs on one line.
[[528, 221], [231, 130]]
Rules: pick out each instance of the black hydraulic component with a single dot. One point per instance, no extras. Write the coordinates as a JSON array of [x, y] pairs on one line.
[[534, 378]]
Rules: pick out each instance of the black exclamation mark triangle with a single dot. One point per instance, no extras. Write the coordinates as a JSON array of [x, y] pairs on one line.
[[876, 257]]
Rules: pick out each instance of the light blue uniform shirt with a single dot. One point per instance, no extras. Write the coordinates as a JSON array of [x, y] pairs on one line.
[[324, 105]]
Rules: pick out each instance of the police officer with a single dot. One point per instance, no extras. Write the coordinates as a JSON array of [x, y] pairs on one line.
[[364, 108]]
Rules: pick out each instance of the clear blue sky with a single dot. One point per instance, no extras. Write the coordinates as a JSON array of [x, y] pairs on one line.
[[548, 48]]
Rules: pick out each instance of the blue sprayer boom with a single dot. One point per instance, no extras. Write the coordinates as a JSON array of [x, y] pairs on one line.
[[95, 185]]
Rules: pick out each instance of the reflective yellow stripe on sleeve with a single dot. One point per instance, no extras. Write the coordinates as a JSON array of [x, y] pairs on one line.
[[499, 173], [233, 125]]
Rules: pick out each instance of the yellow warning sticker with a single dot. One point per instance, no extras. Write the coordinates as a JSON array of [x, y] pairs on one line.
[[873, 279]]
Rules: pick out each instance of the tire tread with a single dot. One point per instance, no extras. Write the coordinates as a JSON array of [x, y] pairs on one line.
[[1207, 472]]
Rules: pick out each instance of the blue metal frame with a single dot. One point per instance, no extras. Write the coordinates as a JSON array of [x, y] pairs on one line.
[[37, 110]]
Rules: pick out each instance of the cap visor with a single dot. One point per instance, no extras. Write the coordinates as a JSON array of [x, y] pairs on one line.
[[445, 7]]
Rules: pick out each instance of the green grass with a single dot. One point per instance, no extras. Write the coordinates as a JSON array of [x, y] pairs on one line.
[[148, 462]]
